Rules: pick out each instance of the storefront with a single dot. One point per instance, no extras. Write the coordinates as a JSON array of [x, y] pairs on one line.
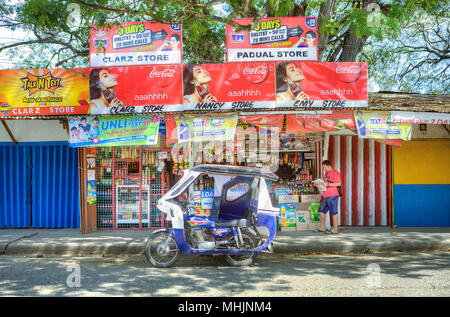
[[421, 177]]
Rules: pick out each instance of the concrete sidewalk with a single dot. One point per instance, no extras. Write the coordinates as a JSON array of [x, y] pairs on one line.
[[70, 242]]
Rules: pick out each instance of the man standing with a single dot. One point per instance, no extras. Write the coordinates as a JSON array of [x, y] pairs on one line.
[[330, 197]]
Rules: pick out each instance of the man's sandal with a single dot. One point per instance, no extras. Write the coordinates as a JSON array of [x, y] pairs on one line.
[[318, 230]]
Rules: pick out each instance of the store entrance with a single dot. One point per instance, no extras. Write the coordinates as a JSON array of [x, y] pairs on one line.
[[130, 180]]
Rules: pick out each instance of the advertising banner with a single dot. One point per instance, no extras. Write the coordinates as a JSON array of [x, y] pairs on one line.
[[140, 90], [378, 125], [274, 39], [209, 127], [203, 202], [135, 43], [263, 120], [213, 87], [91, 192], [43, 92], [319, 121], [113, 131], [323, 85], [420, 117], [287, 215]]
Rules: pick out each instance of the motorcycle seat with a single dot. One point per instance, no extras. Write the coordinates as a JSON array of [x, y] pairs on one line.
[[233, 223]]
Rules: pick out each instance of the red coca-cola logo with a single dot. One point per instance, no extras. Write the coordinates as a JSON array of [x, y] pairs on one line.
[[162, 73], [349, 73], [163, 77], [255, 73]]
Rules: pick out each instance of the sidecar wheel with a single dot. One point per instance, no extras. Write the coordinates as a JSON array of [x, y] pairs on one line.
[[250, 242], [161, 249]]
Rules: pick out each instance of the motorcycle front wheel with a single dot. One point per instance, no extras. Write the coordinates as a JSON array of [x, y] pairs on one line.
[[161, 250], [250, 242]]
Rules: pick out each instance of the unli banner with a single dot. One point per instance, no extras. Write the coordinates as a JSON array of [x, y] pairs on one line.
[[93, 131]]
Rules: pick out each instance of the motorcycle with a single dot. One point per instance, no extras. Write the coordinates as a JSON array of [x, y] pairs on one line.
[[245, 209]]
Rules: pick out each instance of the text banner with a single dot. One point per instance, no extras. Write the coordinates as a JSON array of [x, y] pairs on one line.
[[420, 117], [378, 125]]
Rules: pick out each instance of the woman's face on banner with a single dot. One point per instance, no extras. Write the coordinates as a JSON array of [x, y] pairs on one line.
[[173, 43], [309, 40], [293, 72], [107, 79], [201, 75]]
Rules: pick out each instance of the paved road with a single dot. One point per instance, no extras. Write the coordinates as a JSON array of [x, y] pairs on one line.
[[384, 274]]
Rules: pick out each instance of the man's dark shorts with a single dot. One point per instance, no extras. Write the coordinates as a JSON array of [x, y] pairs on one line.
[[331, 204]]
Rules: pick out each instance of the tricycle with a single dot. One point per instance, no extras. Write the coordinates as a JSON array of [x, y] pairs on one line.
[[245, 222]]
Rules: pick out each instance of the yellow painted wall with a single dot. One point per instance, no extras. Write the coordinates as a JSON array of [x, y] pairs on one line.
[[422, 162]]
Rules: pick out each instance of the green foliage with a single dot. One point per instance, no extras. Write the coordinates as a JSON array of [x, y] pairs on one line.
[[385, 44]]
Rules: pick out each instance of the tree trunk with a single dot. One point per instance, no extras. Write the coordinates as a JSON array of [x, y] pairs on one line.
[[326, 12]]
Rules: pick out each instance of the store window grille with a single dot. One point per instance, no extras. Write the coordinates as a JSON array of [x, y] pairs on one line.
[[130, 180]]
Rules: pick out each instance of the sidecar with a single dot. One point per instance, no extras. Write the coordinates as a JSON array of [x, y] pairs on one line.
[[245, 206]]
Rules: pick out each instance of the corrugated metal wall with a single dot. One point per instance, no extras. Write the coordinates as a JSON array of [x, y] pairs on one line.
[[365, 167], [45, 175], [15, 187]]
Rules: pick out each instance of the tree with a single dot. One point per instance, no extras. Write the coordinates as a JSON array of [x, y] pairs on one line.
[[405, 42]]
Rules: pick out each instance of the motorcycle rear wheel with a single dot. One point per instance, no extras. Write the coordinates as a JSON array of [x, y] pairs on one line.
[[250, 242], [161, 250]]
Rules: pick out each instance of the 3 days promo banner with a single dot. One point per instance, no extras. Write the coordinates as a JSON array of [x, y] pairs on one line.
[[228, 86], [113, 131], [135, 43], [37, 92], [274, 39], [321, 85], [149, 89]]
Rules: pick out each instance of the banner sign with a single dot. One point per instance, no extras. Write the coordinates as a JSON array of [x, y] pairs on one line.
[[321, 85], [378, 125], [263, 120], [319, 121], [91, 192], [197, 128], [113, 131], [420, 117], [203, 202], [135, 89], [135, 43], [228, 86], [43, 92], [274, 39]]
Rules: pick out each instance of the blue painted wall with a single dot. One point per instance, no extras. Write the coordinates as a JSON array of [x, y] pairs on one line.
[[422, 205], [39, 185]]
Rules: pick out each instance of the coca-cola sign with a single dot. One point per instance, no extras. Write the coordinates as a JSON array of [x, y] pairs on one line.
[[348, 73], [163, 75], [255, 73]]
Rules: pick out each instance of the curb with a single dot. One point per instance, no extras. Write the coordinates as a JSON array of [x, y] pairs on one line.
[[283, 245]]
